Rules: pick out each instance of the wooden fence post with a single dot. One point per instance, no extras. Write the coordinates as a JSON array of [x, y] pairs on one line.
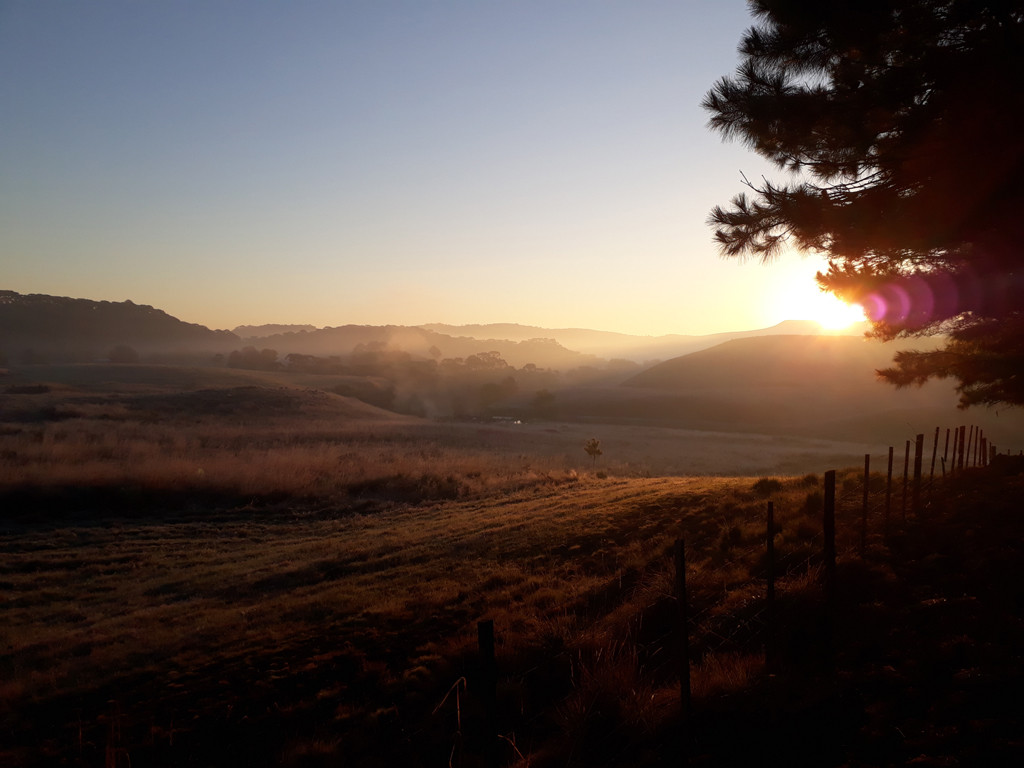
[[945, 454], [770, 658], [906, 474], [829, 529], [829, 526], [935, 451], [918, 459], [683, 635], [961, 463], [864, 505], [888, 491], [960, 446], [488, 689]]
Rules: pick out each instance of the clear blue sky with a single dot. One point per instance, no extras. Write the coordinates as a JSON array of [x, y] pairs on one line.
[[536, 161]]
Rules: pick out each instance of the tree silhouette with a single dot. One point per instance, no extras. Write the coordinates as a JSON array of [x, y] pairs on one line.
[[899, 123], [593, 448]]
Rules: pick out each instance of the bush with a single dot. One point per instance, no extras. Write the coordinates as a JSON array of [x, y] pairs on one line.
[[766, 486]]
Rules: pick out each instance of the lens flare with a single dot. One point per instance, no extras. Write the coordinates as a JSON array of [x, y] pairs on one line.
[[914, 301]]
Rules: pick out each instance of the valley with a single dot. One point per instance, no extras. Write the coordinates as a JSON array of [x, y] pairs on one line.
[[212, 563]]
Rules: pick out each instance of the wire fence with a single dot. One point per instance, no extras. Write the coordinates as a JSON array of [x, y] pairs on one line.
[[841, 522], [863, 507]]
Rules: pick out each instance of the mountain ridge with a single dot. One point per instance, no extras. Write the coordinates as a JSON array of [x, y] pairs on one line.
[[75, 328], [40, 325], [638, 348]]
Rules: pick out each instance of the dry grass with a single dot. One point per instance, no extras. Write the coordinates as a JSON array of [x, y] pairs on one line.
[[256, 433], [244, 442], [309, 594], [144, 608]]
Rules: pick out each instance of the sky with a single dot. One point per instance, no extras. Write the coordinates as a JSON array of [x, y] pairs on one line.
[[543, 162]]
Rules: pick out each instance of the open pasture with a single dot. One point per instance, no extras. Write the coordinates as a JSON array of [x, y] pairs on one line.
[[218, 624], [198, 625], [220, 431], [250, 571]]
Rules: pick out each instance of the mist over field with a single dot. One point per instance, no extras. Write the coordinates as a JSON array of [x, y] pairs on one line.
[[792, 380]]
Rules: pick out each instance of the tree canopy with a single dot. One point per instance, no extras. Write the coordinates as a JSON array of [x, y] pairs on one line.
[[898, 124]]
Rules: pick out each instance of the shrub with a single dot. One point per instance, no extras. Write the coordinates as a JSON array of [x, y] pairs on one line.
[[766, 486]]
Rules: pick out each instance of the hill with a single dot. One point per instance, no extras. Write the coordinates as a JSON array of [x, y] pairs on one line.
[[639, 349], [36, 326], [179, 395], [269, 329], [842, 364], [812, 386], [423, 343], [41, 328]]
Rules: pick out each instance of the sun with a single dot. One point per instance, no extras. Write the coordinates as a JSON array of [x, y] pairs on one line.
[[830, 312], [802, 299]]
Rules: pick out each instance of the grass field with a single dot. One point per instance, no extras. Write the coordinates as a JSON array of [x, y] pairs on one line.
[[240, 573], [185, 430]]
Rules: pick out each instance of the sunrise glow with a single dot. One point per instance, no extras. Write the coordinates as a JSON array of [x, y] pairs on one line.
[[834, 314], [800, 298]]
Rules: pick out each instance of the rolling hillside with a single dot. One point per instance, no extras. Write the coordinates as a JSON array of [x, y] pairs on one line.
[[422, 343], [608, 344], [826, 364], [820, 386], [36, 326]]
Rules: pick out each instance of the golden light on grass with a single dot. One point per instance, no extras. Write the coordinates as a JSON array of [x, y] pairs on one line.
[[289, 556]]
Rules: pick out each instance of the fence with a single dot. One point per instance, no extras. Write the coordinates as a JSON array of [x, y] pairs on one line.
[[963, 448]]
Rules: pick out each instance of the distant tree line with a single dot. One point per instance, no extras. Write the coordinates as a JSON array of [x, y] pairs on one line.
[[477, 385], [254, 359]]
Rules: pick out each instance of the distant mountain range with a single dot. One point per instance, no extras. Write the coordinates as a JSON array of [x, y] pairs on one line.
[[60, 328], [420, 342], [518, 344], [640, 349], [785, 380]]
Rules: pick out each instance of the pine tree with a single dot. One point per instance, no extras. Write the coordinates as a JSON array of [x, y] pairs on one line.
[[899, 126]]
